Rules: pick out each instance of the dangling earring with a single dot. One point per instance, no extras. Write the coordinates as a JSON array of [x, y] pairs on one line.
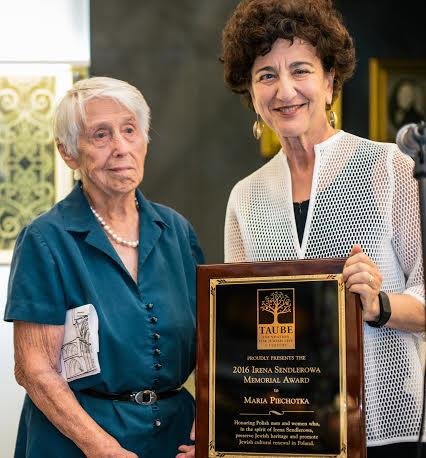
[[258, 127], [332, 118], [77, 175]]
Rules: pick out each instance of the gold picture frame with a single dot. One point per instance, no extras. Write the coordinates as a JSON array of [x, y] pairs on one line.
[[269, 143], [397, 96]]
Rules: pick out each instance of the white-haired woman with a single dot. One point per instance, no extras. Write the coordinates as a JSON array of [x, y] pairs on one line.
[[102, 295]]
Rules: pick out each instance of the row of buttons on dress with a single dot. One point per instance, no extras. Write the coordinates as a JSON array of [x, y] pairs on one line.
[[155, 336], [157, 353]]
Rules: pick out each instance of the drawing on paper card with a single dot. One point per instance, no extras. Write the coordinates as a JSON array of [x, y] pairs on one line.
[[77, 353]]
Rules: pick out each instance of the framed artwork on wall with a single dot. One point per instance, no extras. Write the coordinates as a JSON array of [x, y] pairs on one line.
[[397, 95], [269, 143]]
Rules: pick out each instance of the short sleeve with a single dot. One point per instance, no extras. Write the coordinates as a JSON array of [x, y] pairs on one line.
[[35, 291], [197, 252]]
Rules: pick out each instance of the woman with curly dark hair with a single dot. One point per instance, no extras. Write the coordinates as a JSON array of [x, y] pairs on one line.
[[328, 193]]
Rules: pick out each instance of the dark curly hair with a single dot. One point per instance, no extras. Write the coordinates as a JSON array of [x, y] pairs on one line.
[[255, 25]]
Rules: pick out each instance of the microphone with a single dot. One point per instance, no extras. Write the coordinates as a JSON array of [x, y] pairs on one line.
[[411, 137]]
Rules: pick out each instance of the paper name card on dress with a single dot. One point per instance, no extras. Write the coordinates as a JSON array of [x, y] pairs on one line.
[[79, 352]]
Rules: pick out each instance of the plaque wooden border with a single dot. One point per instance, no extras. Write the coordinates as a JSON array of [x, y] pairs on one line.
[[356, 438]]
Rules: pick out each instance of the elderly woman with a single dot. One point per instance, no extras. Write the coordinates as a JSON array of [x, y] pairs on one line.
[[328, 193], [102, 295]]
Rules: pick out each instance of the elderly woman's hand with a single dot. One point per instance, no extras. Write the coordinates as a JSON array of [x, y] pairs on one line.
[[109, 448], [362, 276], [188, 451], [116, 452]]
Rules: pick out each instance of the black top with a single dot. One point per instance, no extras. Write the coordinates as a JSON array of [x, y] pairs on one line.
[[300, 214]]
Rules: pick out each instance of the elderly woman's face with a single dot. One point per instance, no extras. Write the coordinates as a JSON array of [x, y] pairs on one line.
[[290, 89], [111, 148]]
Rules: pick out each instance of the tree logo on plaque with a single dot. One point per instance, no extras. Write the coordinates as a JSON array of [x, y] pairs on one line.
[[276, 319]]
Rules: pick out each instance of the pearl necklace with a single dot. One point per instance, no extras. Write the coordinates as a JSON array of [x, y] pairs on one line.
[[111, 233]]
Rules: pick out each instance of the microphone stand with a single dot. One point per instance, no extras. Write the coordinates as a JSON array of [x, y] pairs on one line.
[[420, 176]]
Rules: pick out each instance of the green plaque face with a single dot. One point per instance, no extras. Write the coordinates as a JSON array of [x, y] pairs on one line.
[[277, 368]]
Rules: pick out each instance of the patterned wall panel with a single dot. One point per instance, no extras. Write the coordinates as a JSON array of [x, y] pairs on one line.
[[27, 186], [32, 175]]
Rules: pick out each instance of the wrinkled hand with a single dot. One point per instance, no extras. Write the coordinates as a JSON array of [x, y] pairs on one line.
[[188, 451], [126, 454], [362, 276], [113, 450]]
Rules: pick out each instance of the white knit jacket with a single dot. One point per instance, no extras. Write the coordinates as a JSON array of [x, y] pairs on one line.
[[362, 192]]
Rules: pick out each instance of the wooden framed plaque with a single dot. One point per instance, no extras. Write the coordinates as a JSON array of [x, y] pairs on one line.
[[279, 361]]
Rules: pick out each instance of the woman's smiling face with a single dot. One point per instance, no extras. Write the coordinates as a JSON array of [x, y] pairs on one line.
[[290, 89]]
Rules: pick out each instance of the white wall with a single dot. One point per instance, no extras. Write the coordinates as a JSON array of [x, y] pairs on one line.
[[11, 394], [59, 31]]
